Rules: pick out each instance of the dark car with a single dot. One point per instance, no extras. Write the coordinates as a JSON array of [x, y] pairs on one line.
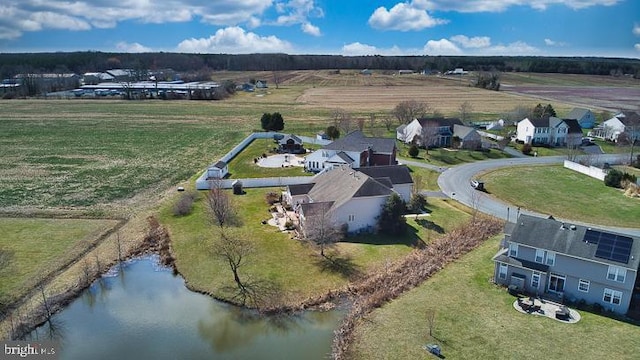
[[476, 184]]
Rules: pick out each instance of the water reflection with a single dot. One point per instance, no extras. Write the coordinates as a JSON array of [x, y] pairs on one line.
[[143, 311]]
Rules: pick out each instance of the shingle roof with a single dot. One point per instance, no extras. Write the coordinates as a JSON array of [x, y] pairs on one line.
[[343, 183], [341, 157], [399, 174], [300, 189], [540, 122], [462, 131], [440, 121], [503, 258], [549, 234], [356, 141], [220, 164], [577, 113], [631, 118], [574, 126]]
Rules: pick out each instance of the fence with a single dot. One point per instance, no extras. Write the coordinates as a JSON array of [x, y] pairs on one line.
[[594, 172], [203, 184]]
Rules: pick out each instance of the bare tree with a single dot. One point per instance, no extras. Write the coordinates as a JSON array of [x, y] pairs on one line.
[[418, 184], [408, 110], [234, 251], [429, 134], [342, 120], [360, 122], [631, 134], [431, 321], [387, 121], [372, 121], [219, 204], [465, 110], [320, 227]]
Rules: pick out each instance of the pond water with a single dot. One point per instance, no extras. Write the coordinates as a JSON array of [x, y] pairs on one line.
[[143, 311]]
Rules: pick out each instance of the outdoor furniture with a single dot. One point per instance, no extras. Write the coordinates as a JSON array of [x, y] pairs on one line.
[[563, 313], [432, 348]]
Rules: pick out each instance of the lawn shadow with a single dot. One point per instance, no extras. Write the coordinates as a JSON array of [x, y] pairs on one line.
[[409, 238], [430, 225], [342, 265]]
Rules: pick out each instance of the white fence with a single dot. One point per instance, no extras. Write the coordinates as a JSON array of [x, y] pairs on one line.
[[594, 172], [490, 135], [203, 184]]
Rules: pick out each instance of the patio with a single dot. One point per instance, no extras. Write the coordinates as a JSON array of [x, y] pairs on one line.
[[537, 306], [281, 160]]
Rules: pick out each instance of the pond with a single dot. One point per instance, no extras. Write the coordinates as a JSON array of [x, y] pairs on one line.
[[143, 311]]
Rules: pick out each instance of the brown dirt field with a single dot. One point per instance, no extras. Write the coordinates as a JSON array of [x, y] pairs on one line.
[[444, 98], [601, 97]]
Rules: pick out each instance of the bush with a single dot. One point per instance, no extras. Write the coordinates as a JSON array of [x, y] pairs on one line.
[[618, 179], [184, 205], [413, 150], [526, 149], [417, 203]]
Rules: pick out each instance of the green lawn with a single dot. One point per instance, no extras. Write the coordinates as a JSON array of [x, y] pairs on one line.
[[293, 265], [475, 319], [449, 157], [429, 177], [30, 249], [563, 193], [243, 166]]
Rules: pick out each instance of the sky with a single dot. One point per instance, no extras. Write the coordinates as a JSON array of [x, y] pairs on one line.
[[609, 28]]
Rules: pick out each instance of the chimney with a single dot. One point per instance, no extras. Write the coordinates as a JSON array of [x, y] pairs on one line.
[[572, 227]]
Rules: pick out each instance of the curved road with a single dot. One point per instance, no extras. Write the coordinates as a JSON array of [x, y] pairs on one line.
[[455, 183]]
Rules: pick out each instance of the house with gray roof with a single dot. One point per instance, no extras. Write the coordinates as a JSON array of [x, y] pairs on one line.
[[563, 261], [430, 132], [354, 150], [585, 117], [351, 197], [218, 170], [468, 137], [550, 131]]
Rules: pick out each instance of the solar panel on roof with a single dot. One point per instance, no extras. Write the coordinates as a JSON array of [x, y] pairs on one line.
[[610, 246]]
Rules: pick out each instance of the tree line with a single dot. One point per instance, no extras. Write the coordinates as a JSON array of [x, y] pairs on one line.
[[90, 61]]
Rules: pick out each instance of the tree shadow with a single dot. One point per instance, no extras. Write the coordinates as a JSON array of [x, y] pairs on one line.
[[409, 238], [341, 265], [430, 225]]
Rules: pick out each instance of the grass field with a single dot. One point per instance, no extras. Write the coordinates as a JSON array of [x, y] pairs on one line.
[[295, 266], [575, 196], [449, 157], [475, 319], [243, 166], [31, 249]]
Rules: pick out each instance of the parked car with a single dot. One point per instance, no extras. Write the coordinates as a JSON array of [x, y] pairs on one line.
[[476, 184]]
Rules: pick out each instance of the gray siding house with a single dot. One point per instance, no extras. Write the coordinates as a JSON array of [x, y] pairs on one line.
[[549, 258]]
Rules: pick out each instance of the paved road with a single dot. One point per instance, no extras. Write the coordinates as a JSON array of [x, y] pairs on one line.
[[454, 182]]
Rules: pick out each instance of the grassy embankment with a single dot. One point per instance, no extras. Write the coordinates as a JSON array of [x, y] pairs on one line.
[[295, 266], [475, 319], [563, 193], [32, 249]]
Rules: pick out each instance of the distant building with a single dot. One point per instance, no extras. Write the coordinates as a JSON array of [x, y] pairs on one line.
[[586, 118]]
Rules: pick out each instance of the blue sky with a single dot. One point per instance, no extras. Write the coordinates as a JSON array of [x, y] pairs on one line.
[[414, 27]]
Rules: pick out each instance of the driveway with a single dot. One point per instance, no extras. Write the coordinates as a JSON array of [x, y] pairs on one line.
[[455, 183]]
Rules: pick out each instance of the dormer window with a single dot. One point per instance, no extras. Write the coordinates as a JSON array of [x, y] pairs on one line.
[[513, 250]]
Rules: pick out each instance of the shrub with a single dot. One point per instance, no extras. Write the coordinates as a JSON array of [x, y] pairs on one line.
[[272, 198], [417, 203], [413, 150], [613, 178], [184, 205], [526, 149]]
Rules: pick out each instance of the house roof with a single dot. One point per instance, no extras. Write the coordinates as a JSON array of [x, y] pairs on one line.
[[399, 174], [313, 208], [462, 131], [565, 238], [288, 137], [629, 119], [300, 189], [577, 113], [574, 126], [341, 158], [503, 258], [356, 141], [539, 122], [352, 184], [220, 164], [450, 122]]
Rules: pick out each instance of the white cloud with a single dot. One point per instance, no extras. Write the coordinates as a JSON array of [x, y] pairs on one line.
[[502, 5], [550, 42], [132, 47], [234, 40], [19, 16], [441, 47], [636, 29], [404, 16], [359, 49], [637, 47], [310, 29], [515, 48], [473, 43]]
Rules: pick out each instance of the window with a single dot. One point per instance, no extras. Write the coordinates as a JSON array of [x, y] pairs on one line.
[[616, 273], [556, 283], [535, 280], [502, 273], [551, 258], [352, 217], [540, 256], [513, 249], [612, 296], [583, 285]]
